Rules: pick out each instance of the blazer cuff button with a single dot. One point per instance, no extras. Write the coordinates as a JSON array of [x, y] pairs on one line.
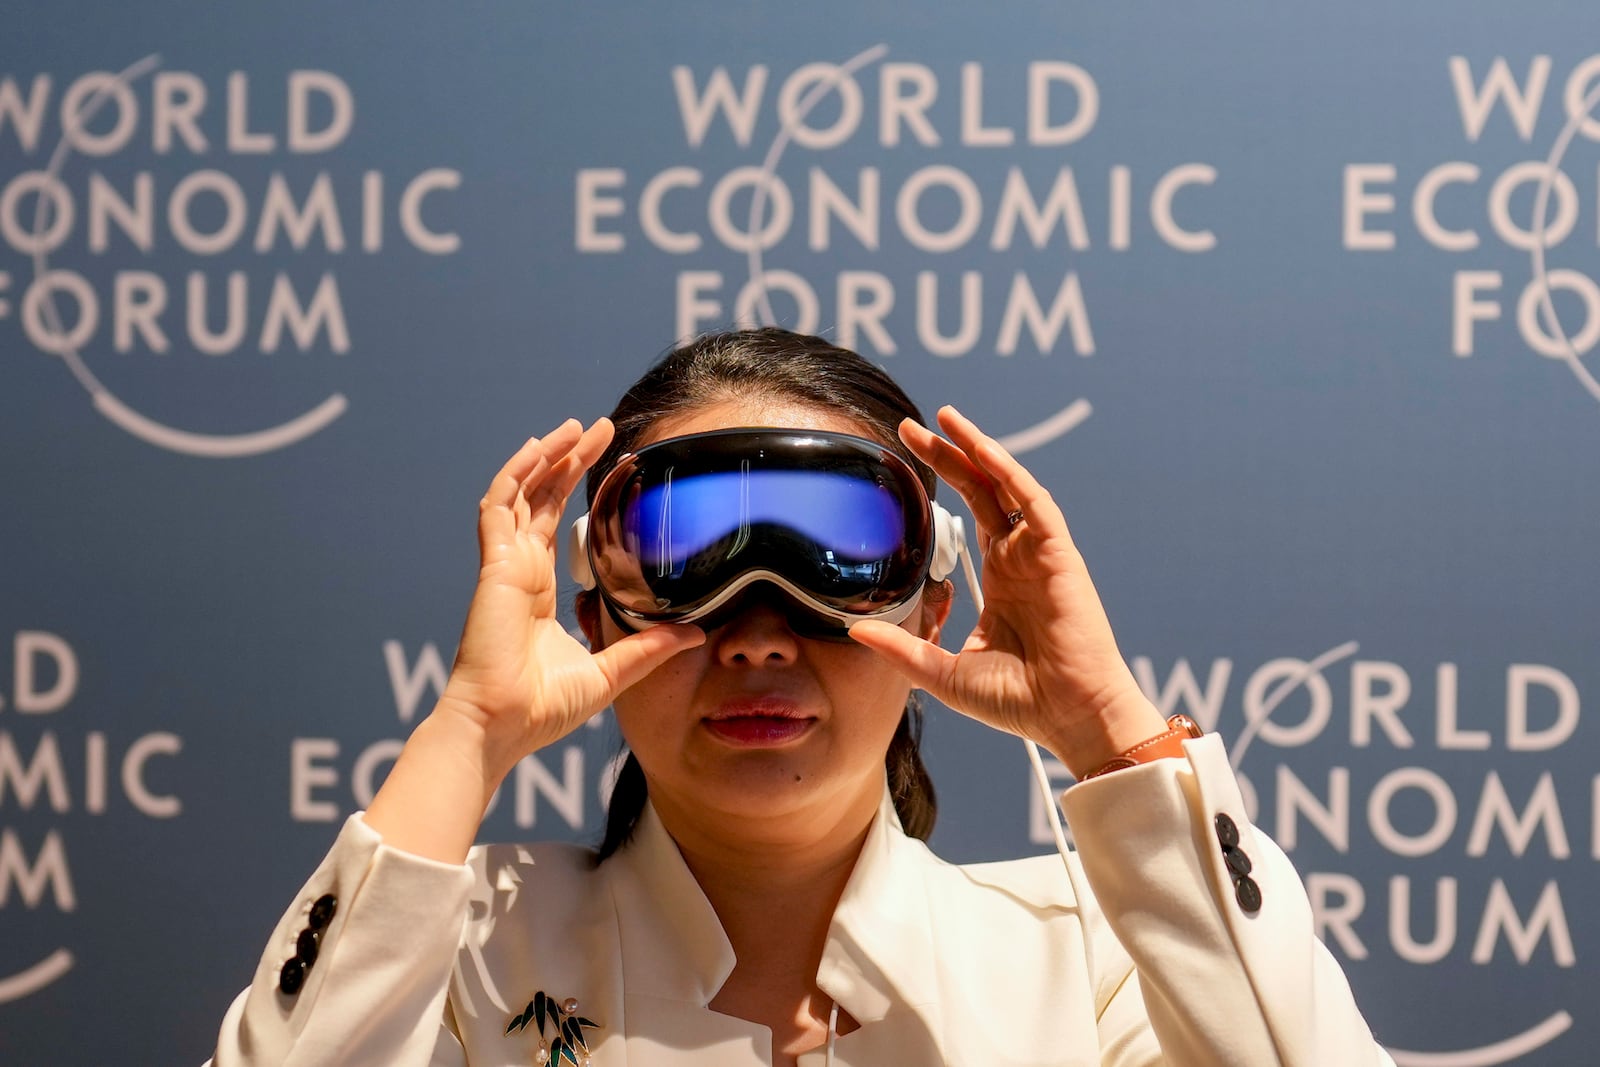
[[292, 977], [1248, 894], [322, 911]]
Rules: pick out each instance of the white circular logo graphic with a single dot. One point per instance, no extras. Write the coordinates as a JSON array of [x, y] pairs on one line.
[[65, 344], [1539, 299]]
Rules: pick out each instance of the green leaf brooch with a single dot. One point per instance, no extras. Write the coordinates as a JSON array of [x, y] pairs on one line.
[[569, 1042]]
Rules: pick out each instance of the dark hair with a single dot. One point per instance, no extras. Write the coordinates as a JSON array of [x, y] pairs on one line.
[[770, 363]]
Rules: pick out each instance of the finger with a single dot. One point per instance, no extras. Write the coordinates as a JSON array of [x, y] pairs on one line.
[[952, 465], [1038, 507], [536, 451], [548, 499], [925, 664], [627, 661], [498, 511]]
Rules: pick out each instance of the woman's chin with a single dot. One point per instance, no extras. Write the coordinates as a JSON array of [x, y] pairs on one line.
[[755, 776]]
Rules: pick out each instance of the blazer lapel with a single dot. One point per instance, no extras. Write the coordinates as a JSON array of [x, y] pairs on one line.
[[675, 956], [880, 963]]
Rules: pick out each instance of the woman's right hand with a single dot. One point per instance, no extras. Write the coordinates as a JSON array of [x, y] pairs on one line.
[[519, 674], [520, 680]]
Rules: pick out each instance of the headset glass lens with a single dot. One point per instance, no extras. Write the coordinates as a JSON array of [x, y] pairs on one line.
[[838, 521]]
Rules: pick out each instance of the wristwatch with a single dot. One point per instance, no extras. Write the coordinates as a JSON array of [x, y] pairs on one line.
[[1180, 728]]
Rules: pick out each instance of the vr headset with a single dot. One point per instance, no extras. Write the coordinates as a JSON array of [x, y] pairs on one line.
[[833, 528]]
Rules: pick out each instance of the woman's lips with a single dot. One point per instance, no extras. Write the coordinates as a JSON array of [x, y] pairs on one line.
[[759, 722]]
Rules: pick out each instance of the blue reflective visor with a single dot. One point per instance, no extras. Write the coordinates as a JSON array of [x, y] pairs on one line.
[[840, 524]]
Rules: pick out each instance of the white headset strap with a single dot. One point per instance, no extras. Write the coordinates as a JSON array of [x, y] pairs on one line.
[[578, 552], [1036, 760], [949, 539]]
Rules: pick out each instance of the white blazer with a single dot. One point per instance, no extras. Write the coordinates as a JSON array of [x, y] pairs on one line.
[[991, 964]]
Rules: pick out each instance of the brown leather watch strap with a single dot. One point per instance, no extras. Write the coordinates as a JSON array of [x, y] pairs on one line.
[[1180, 728]]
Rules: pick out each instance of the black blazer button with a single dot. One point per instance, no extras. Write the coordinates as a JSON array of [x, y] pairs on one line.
[[1237, 862], [1227, 831], [322, 911], [1248, 894], [305, 947], [292, 977]]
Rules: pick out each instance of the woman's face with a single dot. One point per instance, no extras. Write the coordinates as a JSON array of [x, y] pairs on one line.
[[759, 723]]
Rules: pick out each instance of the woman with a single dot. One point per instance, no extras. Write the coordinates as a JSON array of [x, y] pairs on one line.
[[762, 895]]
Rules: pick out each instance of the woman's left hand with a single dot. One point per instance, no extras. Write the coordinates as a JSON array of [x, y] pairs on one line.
[[1042, 663]]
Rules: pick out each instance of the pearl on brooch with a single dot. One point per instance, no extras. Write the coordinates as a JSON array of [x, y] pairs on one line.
[[569, 1006], [542, 1056]]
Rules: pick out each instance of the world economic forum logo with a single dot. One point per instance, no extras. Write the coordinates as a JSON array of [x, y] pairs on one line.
[[132, 252], [1398, 800], [833, 79], [1506, 211], [42, 781], [1509, 205], [863, 198]]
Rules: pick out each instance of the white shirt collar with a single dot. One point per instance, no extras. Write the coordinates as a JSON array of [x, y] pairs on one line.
[[879, 950]]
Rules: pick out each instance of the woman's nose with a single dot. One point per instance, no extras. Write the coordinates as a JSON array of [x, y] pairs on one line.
[[758, 634]]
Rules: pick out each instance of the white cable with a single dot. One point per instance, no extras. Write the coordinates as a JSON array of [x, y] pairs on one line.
[[833, 1032], [1040, 778]]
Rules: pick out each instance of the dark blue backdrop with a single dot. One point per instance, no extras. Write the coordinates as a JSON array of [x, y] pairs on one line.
[[1255, 290]]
